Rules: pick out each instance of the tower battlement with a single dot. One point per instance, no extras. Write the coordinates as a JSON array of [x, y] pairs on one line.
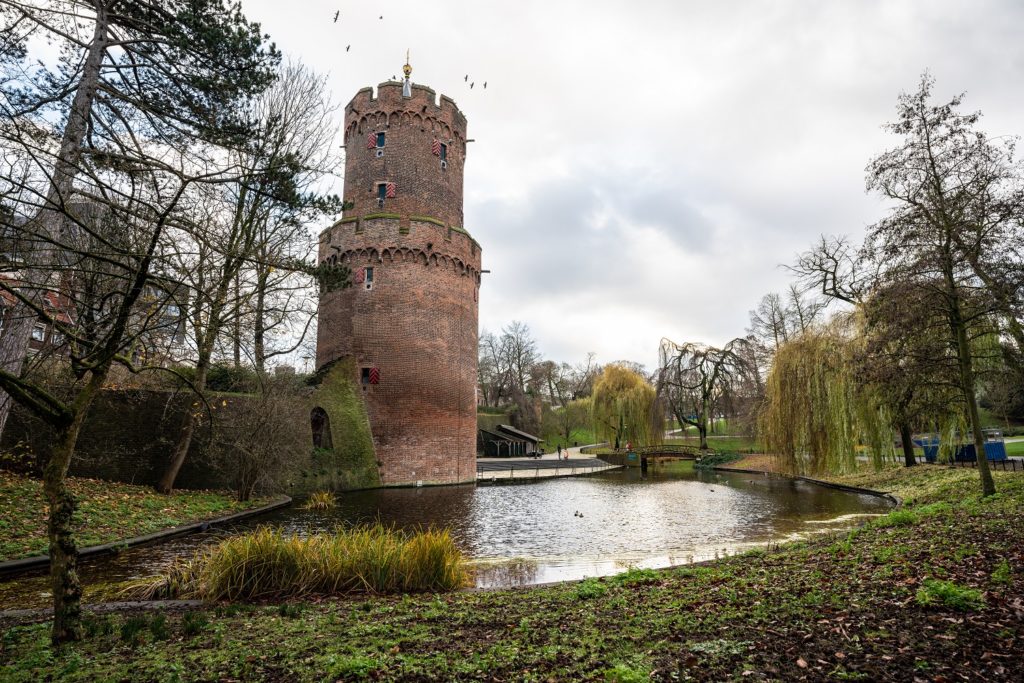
[[404, 154], [389, 99]]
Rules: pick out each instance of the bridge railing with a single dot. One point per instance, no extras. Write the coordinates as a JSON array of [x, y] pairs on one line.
[[665, 449]]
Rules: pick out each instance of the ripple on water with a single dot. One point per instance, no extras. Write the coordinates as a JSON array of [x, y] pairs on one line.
[[556, 529]]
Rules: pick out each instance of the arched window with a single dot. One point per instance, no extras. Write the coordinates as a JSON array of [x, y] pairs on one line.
[[321, 425]]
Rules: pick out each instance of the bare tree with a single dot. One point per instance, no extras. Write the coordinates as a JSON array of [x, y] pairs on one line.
[[959, 208], [265, 441], [696, 380], [137, 88], [519, 350], [491, 373], [256, 228]]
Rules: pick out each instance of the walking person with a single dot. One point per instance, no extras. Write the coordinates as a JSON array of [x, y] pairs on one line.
[[559, 451]]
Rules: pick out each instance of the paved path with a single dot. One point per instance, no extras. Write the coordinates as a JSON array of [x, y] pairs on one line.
[[493, 469]]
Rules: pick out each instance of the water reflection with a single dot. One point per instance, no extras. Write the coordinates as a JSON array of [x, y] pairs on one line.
[[562, 528]]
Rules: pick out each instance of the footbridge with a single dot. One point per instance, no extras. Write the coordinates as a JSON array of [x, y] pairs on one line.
[[641, 455]]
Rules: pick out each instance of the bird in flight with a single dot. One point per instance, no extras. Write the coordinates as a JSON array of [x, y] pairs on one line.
[[347, 47], [381, 16], [336, 16], [466, 79], [472, 84], [485, 85]]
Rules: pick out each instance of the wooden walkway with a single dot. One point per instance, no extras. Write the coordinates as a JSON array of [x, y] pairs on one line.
[[498, 470]]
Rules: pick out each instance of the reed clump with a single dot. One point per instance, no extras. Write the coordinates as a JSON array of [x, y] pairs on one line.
[[269, 563], [320, 500]]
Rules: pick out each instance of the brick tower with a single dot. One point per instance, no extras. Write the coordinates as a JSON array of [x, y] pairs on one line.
[[409, 322]]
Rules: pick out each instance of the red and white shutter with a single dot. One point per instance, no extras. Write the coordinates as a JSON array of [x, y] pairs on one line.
[[359, 276], [389, 191], [371, 140], [436, 147]]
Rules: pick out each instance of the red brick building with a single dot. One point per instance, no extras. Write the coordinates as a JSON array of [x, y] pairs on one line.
[[409, 322]]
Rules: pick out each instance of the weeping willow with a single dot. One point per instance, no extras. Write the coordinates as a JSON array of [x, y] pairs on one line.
[[623, 408], [816, 414]]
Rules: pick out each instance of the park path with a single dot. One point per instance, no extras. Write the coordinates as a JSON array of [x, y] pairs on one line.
[[549, 465]]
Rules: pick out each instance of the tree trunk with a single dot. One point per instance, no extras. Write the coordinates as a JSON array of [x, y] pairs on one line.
[[237, 340], [18, 330], [13, 349], [259, 329], [185, 434], [988, 485], [909, 459], [64, 582], [703, 426], [964, 361]]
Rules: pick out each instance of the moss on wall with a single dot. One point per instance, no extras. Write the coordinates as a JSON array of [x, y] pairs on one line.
[[490, 421], [351, 462]]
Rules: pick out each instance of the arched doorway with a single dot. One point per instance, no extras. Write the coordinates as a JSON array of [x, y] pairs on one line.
[[320, 422]]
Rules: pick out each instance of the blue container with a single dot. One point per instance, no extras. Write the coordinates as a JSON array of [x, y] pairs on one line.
[[930, 447], [994, 450]]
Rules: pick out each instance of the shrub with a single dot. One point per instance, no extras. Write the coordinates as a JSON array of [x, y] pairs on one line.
[[897, 518], [638, 577], [268, 563], [623, 673], [320, 500], [589, 589], [717, 459], [1002, 574], [158, 627], [936, 593], [194, 623], [132, 628], [290, 610], [933, 509]]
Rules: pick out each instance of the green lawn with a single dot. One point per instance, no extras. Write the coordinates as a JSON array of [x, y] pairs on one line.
[[108, 511], [582, 436], [932, 591]]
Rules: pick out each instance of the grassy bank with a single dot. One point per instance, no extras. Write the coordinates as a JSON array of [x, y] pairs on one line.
[[108, 511], [934, 591]]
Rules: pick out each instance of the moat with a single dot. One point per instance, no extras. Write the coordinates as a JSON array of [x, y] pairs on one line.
[[556, 529]]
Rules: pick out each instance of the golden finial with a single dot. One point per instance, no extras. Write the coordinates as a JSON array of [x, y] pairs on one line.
[[407, 69]]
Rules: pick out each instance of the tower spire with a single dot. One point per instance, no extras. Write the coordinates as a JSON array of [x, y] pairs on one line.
[[407, 70]]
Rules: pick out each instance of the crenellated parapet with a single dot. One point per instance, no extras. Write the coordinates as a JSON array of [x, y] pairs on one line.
[[404, 155], [390, 107], [365, 241]]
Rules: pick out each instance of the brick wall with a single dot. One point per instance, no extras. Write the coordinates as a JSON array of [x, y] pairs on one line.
[[418, 323]]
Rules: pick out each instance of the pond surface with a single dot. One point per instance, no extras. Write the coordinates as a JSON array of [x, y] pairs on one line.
[[554, 529]]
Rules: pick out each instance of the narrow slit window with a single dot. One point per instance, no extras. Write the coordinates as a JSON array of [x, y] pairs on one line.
[[369, 275], [380, 140], [382, 191], [365, 378], [444, 152]]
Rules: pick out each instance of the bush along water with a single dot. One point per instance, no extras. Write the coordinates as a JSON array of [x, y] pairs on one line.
[[269, 563], [320, 500]]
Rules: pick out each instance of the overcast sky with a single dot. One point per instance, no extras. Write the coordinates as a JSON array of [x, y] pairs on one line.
[[641, 169]]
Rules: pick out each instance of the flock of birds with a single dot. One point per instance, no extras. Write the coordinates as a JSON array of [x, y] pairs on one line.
[[348, 47]]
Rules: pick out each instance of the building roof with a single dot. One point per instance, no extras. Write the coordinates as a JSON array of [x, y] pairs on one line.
[[498, 437], [522, 435]]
